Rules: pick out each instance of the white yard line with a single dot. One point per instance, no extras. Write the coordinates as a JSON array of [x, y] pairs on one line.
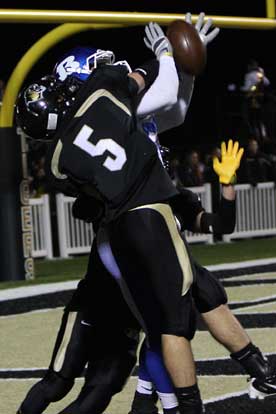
[[28, 291], [40, 289], [252, 300], [241, 265], [15, 315], [225, 396], [197, 360]]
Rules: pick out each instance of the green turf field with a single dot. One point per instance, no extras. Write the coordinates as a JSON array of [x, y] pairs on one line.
[[237, 251]]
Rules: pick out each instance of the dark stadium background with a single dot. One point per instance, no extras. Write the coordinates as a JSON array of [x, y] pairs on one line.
[[227, 56]]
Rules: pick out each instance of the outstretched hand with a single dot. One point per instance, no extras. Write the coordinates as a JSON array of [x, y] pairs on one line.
[[203, 28], [230, 162], [156, 40]]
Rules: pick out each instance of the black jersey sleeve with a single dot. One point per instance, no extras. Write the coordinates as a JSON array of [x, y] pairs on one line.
[[149, 71], [88, 208], [186, 206], [57, 184], [222, 222]]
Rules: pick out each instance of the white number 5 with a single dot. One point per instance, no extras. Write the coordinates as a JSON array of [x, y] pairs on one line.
[[105, 144]]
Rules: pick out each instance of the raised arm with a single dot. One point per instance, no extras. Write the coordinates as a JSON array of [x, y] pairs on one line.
[[162, 93], [188, 208], [175, 116]]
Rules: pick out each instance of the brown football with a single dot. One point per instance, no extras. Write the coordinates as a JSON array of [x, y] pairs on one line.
[[189, 51]]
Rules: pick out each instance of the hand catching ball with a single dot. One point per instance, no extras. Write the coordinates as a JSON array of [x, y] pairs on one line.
[[189, 51]]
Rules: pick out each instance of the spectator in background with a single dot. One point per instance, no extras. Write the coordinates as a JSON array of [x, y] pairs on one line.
[[256, 166], [36, 168], [209, 174], [255, 88], [211, 177], [39, 182], [174, 167], [191, 170]]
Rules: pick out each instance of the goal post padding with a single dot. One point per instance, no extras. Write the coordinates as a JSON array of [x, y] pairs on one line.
[[15, 215]]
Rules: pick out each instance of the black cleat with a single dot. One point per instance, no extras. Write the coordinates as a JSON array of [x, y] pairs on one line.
[[144, 403]]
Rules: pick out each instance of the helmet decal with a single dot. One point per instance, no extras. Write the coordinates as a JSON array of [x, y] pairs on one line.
[[68, 66], [34, 93]]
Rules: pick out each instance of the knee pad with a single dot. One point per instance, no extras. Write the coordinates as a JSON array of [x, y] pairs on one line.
[[55, 387], [90, 400], [207, 291]]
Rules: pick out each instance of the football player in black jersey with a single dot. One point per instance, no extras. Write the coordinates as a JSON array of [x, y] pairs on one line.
[[109, 367], [210, 300], [90, 212], [209, 295], [102, 150]]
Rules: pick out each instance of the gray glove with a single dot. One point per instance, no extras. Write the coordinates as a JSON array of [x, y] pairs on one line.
[[203, 28], [156, 41]]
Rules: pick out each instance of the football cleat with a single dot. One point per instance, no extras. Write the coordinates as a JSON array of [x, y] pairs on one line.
[[144, 403], [262, 388]]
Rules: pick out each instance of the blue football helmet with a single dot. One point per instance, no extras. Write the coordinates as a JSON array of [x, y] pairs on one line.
[[79, 62]]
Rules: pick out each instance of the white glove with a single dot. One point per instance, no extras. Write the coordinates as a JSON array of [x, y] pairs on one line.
[[203, 28], [156, 41]]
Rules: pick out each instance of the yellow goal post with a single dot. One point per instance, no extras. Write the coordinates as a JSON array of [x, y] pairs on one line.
[[76, 21]]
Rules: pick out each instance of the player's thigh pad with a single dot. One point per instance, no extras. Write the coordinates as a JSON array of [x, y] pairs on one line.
[[72, 346], [207, 290], [155, 267]]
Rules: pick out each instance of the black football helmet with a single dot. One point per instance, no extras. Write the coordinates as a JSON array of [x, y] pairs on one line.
[[41, 106]]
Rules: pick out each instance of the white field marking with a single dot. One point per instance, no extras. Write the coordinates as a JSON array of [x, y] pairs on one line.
[[239, 310], [222, 397], [27, 291], [30, 312], [28, 379], [21, 369], [252, 276], [239, 265], [197, 360], [227, 357], [38, 289], [225, 396], [251, 300], [37, 379]]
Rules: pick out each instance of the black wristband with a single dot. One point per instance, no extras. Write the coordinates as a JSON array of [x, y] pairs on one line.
[[149, 71], [222, 222], [132, 86]]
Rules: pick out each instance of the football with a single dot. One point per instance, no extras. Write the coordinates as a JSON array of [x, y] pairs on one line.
[[189, 51]]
